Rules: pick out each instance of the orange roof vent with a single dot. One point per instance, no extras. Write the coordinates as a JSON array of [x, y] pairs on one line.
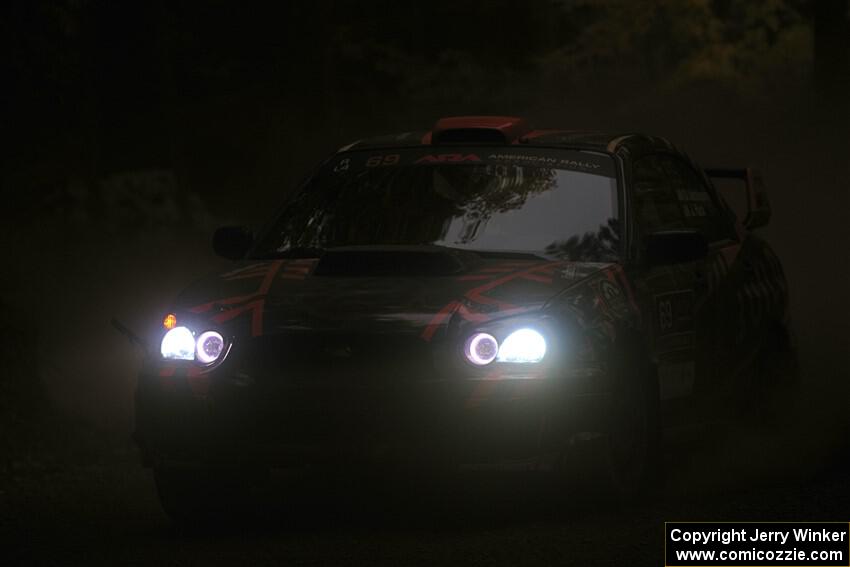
[[478, 130]]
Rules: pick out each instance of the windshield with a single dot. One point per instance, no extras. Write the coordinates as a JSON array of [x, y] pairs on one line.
[[556, 203]]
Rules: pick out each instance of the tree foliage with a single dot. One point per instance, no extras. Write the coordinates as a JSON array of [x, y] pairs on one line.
[[735, 41], [229, 96]]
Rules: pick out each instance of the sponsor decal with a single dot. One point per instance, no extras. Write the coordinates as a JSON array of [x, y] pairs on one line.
[[674, 321], [538, 161], [448, 158], [383, 160], [694, 203], [674, 312], [547, 160]]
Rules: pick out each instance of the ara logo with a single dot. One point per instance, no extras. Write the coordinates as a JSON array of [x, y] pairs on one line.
[[448, 158]]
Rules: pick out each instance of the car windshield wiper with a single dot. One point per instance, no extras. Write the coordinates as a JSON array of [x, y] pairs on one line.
[[317, 252], [512, 254], [293, 252]]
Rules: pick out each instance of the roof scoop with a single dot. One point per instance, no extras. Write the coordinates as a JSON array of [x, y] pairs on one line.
[[479, 130]]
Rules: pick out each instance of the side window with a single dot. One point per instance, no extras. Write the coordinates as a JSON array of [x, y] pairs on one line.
[[700, 210], [657, 206], [670, 194]]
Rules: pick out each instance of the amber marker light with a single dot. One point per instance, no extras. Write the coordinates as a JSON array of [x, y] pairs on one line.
[[170, 321]]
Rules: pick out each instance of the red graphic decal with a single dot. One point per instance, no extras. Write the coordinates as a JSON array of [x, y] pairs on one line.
[[298, 269], [199, 381], [250, 271], [166, 378], [256, 309], [255, 302], [730, 253], [270, 274], [204, 307], [476, 294], [448, 158], [246, 276], [483, 388], [538, 273], [446, 312], [624, 283], [536, 278], [166, 384]]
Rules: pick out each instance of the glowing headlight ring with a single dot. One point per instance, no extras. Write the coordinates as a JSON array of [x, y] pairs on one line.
[[209, 347], [481, 349]]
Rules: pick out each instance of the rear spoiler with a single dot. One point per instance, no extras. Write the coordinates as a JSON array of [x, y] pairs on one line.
[[758, 205]]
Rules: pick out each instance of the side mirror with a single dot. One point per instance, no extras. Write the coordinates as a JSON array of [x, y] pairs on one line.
[[232, 242], [757, 210], [675, 247]]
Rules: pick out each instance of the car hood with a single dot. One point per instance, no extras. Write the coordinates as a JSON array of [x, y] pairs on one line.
[[392, 295]]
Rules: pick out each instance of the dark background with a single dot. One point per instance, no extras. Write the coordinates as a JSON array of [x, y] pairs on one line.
[[132, 130]]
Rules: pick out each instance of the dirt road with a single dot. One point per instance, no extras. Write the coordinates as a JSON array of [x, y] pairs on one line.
[[103, 510]]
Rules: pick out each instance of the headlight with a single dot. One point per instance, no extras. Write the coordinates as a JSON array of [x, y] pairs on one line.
[[524, 345], [178, 344], [209, 346], [481, 349]]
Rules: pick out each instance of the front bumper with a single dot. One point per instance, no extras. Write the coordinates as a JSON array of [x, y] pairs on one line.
[[182, 415]]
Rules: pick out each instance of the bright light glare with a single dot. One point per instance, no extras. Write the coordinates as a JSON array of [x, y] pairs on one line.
[[209, 346], [524, 345], [481, 349], [178, 344]]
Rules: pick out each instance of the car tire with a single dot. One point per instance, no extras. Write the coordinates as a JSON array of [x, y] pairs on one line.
[[622, 461], [197, 495], [632, 440]]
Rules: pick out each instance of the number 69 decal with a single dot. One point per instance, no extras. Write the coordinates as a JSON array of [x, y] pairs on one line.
[[379, 160], [674, 312]]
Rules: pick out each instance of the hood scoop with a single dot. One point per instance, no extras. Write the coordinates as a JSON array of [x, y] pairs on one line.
[[398, 261]]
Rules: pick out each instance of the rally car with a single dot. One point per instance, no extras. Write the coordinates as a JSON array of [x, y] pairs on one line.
[[480, 293]]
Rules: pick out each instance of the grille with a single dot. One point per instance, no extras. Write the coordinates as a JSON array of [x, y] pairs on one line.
[[296, 358]]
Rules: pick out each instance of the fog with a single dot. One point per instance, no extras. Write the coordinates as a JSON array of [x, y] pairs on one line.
[[133, 133]]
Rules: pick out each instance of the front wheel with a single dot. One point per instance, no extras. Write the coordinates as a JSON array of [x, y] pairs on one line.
[[632, 441], [620, 459]]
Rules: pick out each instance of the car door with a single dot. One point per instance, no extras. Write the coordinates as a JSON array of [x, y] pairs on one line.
[[749, 296], [687, 303], [717, 310]]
